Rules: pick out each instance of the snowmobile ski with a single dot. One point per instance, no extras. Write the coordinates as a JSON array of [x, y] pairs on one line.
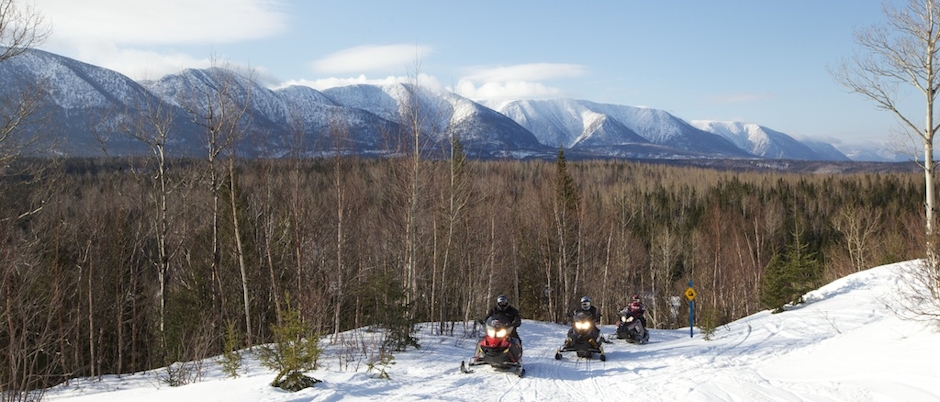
[[464, 369]]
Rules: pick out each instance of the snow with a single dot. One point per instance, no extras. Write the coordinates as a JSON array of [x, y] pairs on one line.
[[849, 341]]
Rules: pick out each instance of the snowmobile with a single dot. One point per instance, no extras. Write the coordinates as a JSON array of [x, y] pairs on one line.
[[497, 348], [583, 338], [631, 329]]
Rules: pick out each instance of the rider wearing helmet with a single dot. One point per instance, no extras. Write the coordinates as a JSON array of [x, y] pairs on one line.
[[508, 313], [588, 307], [636, 308]]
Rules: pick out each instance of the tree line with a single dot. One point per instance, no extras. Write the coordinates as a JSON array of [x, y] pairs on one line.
[[122, 265], [117, 265]]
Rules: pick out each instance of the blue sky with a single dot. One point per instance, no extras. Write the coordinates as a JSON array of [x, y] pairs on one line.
[[762, 62]]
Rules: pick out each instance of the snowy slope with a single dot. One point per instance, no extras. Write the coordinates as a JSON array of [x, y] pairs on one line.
[[480, 129], [71, 83], [570, 122], [845, 343], [565, 122], [766, 143]]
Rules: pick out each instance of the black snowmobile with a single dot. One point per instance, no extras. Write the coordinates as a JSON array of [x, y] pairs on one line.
[[631, 329], [583, 338], [497, 348]]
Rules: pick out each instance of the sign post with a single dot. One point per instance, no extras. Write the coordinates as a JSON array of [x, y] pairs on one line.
[[690, 294]]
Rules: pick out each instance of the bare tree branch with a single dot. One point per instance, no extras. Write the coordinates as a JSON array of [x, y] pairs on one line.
[[905, 51], [21, 28]]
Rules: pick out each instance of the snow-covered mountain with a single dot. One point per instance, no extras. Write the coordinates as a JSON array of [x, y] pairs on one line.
[[767, 143], [310, 113], [578, 123], [825, 150], [879, 152], [82, 101], [439, 115], [294, 120], [88, 102]]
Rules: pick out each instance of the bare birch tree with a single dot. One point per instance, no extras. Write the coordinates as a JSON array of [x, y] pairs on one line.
[[902, 51], [418, 125], [153, 127], [21, 28], [28, 309], [455, 199], [339, 131], [859, 226], [905, 50], [221, 109], [412, 116]]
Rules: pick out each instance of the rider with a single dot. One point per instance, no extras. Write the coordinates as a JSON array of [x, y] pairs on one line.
[[509, 313], [590, 310], [636, 309]]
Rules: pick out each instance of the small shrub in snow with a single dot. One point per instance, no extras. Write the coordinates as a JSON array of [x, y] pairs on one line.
[[295, 350]]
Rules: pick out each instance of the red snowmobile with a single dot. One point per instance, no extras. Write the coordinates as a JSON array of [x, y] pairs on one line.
[[497, 348], [631, 329]]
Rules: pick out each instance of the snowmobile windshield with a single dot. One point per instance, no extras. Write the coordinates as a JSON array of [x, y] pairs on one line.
[[583, 321], [496, 327]]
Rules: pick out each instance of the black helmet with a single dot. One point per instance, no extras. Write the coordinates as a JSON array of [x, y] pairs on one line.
[[502, 302], [585, 302]]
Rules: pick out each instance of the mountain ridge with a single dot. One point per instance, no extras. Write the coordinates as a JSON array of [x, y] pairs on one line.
[[80, 94]]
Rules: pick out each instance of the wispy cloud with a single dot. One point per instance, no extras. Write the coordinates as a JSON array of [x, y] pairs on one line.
[[362, 59], [520, 81], [153, 22], [326, 83], [115, 33], [507, 90], [525, 72]]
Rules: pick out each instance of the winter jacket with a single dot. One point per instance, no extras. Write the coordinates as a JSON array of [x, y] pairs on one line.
[[592, 311], [636, 309], [510, 314]]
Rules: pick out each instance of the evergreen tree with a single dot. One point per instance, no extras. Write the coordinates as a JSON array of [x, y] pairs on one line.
[[790, 275], [295, 350]]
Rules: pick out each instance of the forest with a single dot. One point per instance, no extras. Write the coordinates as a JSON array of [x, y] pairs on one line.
[[114, 265]]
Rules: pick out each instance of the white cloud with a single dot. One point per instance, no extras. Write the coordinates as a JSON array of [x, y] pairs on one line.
[[516, 82], [525, 72], [137, 64], [423, 80], [371, 58], [507, 90], [119, 34], [159, 22], [504, 82]]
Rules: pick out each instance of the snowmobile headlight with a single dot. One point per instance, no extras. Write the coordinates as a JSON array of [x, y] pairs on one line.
[[491, 332], [501, 333], [622, 318], [582, 325]]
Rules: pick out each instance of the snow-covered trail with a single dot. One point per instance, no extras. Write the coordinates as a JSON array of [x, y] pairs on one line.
[[672, 366], [845, 343]]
